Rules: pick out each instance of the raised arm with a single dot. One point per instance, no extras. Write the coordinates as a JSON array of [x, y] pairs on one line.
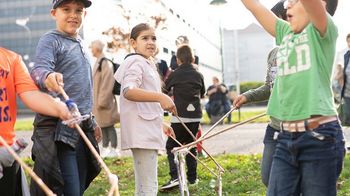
[[264, 16], [317, 14]]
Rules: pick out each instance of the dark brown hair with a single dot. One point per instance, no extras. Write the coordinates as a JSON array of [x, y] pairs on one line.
[[184, 54], [331, 6], [279, 10], [348, 36], [135, 32]]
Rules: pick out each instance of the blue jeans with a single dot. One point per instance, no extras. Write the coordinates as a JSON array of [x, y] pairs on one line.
[[269, 149], [307, 164], [73, 165]]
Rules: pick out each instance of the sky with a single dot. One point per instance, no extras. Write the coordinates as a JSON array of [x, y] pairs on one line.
[[232, 15], [234, 9]]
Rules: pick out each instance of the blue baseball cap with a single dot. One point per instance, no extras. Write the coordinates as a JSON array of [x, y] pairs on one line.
[[56, 3]]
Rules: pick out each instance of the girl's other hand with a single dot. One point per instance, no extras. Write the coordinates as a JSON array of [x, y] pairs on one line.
[[168, 130]]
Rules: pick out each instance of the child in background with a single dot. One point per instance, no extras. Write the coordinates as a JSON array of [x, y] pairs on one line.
[[141, 109], [188, 89], [310, 145]]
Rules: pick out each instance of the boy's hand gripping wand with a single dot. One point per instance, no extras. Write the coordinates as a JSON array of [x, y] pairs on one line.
[[112, 178]]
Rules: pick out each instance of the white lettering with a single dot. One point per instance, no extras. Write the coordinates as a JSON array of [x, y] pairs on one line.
[[303, 57]]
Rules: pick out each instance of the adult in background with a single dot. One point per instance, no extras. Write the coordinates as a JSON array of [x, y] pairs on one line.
[[219, 103], [105, 107]]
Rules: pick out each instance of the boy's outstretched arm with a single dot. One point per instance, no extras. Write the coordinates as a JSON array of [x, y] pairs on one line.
[[264, 16], [317, 14], [45, 104]]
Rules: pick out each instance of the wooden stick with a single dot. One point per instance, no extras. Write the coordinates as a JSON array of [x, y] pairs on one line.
[[194, 139], [36, 178], [219, 121], [189, 152], [91, 147], [222, 131]]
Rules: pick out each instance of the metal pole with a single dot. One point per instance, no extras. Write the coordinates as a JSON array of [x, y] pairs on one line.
[[222, 51], [237, 73]]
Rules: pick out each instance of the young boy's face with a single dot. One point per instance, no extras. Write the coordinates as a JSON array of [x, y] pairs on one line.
[[69, 16], [296, 16], [348, 41]]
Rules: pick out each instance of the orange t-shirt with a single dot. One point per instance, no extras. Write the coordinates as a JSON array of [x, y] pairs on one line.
[[14, 79]]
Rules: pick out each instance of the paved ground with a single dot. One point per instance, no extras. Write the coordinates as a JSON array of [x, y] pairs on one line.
[[245, 139]]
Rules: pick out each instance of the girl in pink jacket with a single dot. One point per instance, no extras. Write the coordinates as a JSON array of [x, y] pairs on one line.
[[141, 109]]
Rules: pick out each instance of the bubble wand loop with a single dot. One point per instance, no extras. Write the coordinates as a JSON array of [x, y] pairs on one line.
[[112, 178], [36, 178]]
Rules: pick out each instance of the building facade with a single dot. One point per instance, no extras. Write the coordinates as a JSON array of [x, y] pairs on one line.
[[22, 23], [245, 54], [172, 19]]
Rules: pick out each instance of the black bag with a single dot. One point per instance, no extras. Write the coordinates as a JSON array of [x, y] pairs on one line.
[[344, 113], [116, 87]]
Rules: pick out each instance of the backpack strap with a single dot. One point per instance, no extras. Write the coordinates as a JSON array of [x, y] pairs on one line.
[[100, 63]]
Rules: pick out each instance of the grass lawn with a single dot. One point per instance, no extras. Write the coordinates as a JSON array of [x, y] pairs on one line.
[[241, 177]]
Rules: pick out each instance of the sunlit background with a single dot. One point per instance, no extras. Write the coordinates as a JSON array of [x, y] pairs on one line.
[[229, 42]]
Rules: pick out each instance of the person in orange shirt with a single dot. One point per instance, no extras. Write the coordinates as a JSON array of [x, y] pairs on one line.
[[15, 80]]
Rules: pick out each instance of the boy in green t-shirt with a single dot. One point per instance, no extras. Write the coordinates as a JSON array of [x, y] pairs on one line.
[[310, 146]]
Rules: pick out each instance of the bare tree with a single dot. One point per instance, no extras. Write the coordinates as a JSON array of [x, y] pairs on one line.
[[119, 37]]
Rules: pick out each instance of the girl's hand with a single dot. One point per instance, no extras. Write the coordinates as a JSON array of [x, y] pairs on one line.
[[168, 130], [167, 104]]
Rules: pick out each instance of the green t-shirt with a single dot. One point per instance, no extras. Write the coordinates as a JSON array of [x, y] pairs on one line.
[[303, 83]]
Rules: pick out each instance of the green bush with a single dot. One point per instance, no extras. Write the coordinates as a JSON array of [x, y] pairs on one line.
[[245, 86]]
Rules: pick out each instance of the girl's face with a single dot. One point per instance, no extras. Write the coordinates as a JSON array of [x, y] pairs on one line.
[[296, 16], [145, 43], [69, 17]]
